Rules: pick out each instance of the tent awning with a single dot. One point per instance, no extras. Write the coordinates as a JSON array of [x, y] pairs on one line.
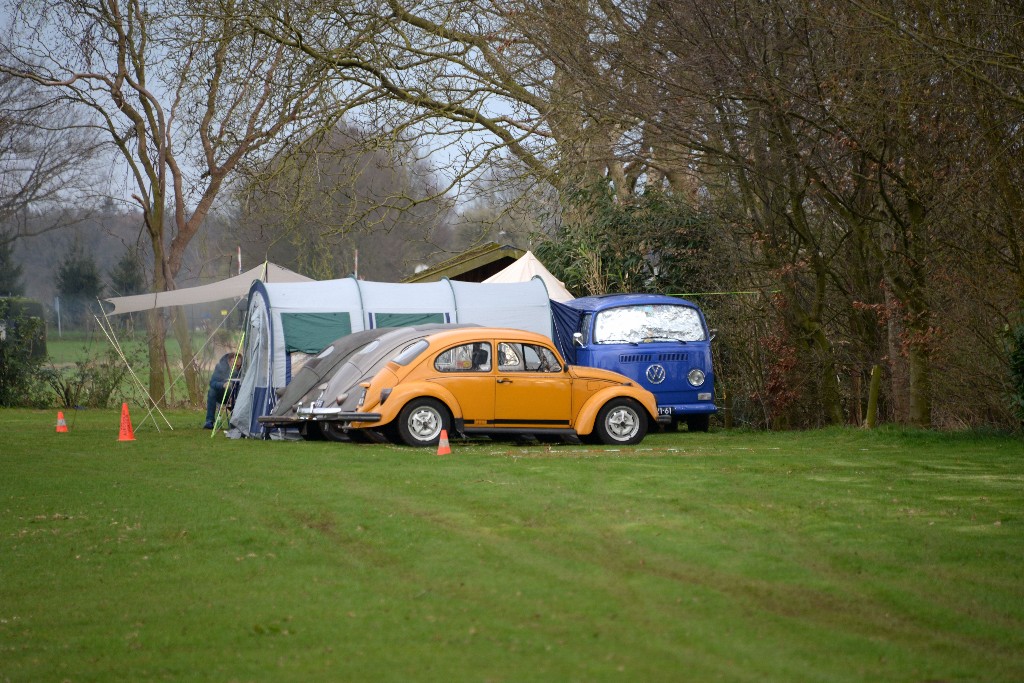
[[237, 286]]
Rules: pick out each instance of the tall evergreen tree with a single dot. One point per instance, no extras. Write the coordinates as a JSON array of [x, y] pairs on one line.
[[78, 284], [126, 277], [10, 271]]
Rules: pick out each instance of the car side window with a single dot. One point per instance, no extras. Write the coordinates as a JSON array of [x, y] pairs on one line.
[[410, 352], [516, 357], [474, 357], [510, 357]]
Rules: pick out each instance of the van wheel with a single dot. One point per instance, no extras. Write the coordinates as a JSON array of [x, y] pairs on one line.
[[621, 422], [698, 423], [421, 421]]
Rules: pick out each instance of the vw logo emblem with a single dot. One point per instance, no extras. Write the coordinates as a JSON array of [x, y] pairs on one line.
[[656, 374]]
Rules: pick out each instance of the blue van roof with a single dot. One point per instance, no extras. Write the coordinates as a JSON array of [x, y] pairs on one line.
[[605, 301]]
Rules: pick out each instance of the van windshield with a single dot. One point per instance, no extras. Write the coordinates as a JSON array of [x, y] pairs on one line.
[[648, 323]]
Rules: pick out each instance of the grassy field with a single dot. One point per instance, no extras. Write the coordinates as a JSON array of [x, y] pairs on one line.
[[67, 353], [836, 555], [75, 346]]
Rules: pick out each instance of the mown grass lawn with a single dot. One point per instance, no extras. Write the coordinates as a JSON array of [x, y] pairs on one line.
[[837, 555]]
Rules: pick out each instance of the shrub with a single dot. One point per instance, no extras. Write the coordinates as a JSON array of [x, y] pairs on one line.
[[21, 383], [92, 382]]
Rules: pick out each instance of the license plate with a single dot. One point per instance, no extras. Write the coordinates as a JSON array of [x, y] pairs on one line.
[[665, 410]]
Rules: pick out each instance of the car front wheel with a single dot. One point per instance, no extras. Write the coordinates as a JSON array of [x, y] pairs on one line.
[[621, 422], [421, 421]]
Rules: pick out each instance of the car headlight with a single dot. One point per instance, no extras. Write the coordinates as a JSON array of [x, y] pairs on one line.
[[696, 377]]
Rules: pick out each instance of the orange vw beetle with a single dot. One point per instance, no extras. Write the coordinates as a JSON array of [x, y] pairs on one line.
[[496, 381]]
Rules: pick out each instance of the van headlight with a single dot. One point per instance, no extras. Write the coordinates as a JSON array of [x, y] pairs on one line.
[[696, 377]]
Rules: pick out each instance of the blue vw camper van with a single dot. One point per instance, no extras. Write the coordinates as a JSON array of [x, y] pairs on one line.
[[660, 341]]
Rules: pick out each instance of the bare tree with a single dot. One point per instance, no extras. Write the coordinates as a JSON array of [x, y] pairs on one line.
[[44, 156], [841, 139], [185, 93], [339, 194]]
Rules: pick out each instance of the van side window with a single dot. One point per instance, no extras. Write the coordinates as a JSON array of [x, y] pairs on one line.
[[588, 320]]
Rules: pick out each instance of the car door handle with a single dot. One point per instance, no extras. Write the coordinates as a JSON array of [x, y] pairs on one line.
[[504, 381]]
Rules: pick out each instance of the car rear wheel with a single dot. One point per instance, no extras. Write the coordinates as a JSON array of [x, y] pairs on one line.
[[421, 421], [331, 431], [621, 422]]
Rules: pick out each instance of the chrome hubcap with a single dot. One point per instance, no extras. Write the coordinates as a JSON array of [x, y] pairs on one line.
[[425, 424], [622, 424]]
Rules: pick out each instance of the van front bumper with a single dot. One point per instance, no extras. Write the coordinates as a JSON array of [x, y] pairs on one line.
[[676, 409]]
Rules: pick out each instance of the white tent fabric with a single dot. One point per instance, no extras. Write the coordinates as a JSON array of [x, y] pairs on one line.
[[230, 288], [287, 320], [528, 267]]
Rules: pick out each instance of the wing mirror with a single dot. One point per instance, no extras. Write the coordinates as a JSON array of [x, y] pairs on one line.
[[714, 333], [577, 339]]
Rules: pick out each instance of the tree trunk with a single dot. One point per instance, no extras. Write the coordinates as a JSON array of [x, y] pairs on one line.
[[157, 355], [876, 381], [828, 384], [898, 374], [919, 360], [189, 366], [920, 386]]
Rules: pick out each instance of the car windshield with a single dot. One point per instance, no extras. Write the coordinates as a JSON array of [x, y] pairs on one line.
[[648, 323]]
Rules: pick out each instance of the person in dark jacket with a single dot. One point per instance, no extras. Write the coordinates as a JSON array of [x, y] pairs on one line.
[[226, 371]]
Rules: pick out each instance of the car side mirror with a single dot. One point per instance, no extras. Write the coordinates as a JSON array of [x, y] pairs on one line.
[[714, 333], [577, 339]]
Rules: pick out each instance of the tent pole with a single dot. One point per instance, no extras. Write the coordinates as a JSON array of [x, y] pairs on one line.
[[112, 338]]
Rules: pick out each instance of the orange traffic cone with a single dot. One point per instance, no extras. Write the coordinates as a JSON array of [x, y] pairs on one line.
[[127, 433], [62, 426], [442, 444]]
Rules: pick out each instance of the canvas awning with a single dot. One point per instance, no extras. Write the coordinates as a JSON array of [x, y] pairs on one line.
[[233, 287]]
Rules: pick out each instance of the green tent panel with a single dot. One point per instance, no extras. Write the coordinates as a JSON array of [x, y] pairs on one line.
[[407, 319], [312, 332]]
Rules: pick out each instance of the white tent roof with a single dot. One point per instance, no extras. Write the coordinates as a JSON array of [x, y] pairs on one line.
[[237, 286], [528, 267]]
